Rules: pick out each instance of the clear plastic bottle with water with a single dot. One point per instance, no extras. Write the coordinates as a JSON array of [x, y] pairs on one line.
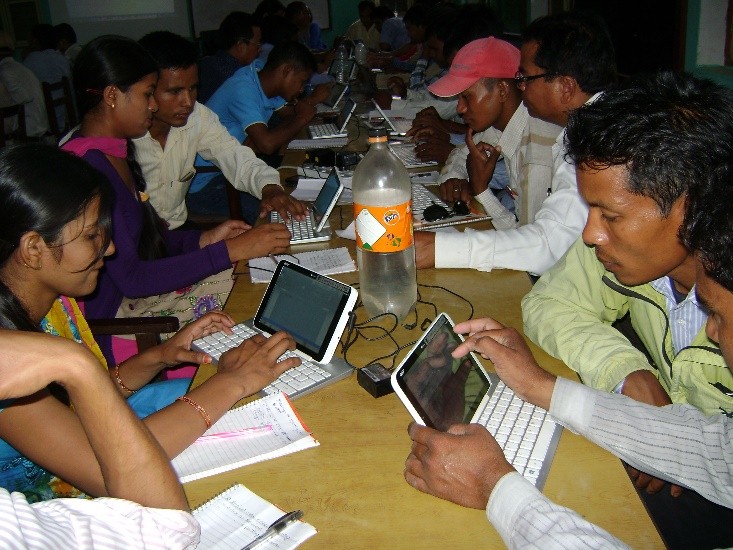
[[384, 245], [360, 52], [342, 56]]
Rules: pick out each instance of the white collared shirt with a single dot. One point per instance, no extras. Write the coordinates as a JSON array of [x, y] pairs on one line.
[[168, 172]]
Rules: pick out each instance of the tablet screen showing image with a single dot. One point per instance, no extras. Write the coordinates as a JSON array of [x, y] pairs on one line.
[[441, 389]]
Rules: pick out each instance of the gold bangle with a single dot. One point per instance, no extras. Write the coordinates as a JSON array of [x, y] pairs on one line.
[[116, 372], [198, 407]]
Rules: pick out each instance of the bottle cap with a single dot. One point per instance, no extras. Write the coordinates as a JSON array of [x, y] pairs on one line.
[[377, 134]]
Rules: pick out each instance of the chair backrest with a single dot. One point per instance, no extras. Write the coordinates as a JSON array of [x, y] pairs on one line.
[[13, 113], [53, 100]]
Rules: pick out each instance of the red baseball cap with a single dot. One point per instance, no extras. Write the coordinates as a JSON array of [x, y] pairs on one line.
[[483, 58]]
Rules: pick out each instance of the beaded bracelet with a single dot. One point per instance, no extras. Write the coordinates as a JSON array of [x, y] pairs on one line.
[[116, 372], [198, 407]]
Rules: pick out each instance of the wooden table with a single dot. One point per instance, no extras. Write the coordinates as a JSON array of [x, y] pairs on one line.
[[351, 487]]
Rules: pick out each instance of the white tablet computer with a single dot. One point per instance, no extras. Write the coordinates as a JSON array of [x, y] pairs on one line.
[[327, 199], [313, 308], [437, 389]]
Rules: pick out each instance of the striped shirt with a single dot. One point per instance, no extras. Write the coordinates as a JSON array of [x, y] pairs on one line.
[[676, 443], [686, 318], [99, 524]]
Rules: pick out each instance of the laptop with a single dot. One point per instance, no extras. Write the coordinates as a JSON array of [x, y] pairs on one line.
[[314, 310], [439, 390], [338, 91], [399, 126], [331, 130], [314, 228]]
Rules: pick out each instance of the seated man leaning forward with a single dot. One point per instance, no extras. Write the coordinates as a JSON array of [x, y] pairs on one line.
[[676, 442], [637, 152], [566, 61], [246, 101], [182, 128]]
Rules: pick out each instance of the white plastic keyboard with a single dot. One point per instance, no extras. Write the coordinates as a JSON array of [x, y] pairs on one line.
[[422, 198], [294, 382], [406, 153], [301, 231], [327, 129], [526, 433]]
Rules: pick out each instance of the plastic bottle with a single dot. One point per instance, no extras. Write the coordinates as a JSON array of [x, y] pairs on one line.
[[384, 244], [342, 56], [360, 53]]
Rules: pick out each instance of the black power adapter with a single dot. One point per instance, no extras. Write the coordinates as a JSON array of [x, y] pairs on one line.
[[375, 379]]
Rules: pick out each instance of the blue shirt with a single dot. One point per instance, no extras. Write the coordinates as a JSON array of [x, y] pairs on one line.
[[394, 33], [239, 103]]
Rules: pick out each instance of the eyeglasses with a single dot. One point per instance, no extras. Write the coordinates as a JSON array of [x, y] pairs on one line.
[[521, 80]]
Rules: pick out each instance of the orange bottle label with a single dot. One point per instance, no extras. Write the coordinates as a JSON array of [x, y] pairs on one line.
[[383, 228]]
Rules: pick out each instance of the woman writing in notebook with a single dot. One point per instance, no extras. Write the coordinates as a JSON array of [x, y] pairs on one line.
[[155, 271], [55, 213]]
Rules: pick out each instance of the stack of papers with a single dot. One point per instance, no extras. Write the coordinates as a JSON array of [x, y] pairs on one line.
[[261, 430], [325, 262]]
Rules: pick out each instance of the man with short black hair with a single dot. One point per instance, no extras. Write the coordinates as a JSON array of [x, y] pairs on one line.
[[245, 102], [182, 127], [364, 29], [240, 40], [648, 173], [638, 153]]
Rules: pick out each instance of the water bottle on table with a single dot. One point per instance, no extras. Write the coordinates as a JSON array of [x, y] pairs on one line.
[[341, 61], [383, 220]]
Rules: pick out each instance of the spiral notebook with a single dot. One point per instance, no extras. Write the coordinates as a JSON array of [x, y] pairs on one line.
[[263, 429], [236, 517]]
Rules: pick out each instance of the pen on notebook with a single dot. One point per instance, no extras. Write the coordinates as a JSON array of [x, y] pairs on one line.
[[274, 259], [246, 432], [275, 528]]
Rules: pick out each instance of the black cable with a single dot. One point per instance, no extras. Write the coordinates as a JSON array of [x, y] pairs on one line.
[[357, 330]]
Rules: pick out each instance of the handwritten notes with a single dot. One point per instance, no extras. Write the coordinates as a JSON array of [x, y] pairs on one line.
[[237, 516], [212, 455]]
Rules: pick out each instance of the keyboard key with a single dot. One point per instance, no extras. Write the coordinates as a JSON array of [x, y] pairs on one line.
[[292, 381]]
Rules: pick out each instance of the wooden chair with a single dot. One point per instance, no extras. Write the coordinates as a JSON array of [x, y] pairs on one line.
[[15, 112], [66, 100], [147, 330]]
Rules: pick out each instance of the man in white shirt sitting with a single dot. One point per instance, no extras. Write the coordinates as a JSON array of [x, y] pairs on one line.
[[182, 127], [18, 85], [565, 62]]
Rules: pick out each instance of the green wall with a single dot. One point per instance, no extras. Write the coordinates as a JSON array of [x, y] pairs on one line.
[[717, 73]]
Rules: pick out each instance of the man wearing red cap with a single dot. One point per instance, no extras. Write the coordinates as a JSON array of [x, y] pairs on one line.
[[550, 213]]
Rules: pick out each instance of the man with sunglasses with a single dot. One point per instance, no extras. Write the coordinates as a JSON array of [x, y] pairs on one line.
[[565, 61]]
